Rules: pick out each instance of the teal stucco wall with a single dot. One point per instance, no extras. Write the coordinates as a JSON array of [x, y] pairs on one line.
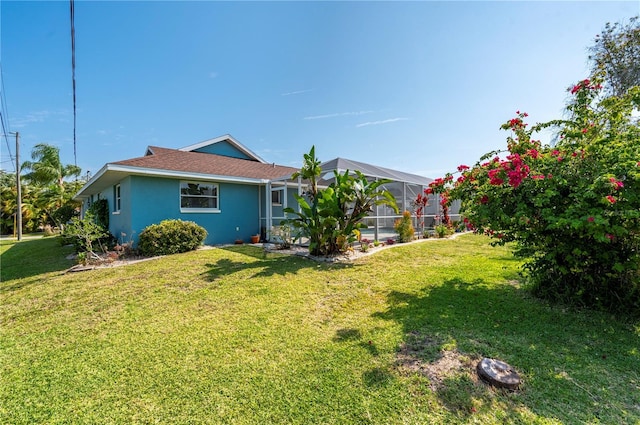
[[149, 200], [223, 148], [157, 199]]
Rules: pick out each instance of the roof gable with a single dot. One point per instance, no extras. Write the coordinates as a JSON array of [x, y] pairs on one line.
[[226, 146]]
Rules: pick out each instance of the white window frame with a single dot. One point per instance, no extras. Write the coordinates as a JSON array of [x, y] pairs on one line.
[[117, 199], [215, 188], [278, 201]]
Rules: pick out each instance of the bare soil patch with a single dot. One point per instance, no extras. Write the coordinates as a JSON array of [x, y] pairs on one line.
[[420, 354]]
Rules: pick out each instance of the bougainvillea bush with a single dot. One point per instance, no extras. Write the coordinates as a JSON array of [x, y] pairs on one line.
[[571, 208]]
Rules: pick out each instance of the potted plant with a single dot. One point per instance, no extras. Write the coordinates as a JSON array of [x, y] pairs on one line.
[[255, 238]]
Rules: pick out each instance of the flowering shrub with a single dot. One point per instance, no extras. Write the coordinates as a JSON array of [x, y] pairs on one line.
[[572, 209], [419, 206]]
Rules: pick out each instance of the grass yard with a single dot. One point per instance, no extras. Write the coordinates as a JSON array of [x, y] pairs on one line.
[[230, 336]]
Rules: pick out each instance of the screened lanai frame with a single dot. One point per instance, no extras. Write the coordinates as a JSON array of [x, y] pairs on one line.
[[405, 187]]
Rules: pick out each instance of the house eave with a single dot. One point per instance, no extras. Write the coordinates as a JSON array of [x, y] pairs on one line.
[[110, 174]]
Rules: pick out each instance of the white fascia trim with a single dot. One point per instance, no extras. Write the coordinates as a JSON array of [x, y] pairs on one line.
[[228, 138], [95, 177], [157, 172]]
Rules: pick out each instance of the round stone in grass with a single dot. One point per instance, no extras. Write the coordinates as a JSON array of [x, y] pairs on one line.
[[498, 373]]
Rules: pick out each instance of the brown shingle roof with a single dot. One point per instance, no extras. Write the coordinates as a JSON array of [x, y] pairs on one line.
[[206, 163]]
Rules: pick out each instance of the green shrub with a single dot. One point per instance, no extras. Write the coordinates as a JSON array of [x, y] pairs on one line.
[[404, 227], [100, 211], [171, 237], [85, 234], [443, 230]]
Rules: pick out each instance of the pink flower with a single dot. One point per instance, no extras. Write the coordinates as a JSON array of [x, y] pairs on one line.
[[610, 236], [494, 179], [484, 199], [611, 199], [538, 177], [617, 184], [590, 219], [462, 167]]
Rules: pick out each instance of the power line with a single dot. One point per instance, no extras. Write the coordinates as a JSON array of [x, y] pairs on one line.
[[73, 76], [6, 140], [4, 113]]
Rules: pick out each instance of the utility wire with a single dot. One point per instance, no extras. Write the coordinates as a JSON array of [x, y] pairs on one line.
[[6, 139], [4, 113], [73, 77]]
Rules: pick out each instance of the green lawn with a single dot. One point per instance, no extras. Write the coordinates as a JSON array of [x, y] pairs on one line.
[[231, 336]]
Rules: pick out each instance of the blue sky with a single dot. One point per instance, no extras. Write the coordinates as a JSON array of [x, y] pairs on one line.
[[417, 86]]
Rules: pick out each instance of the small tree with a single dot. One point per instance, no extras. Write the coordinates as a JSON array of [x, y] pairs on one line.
[[85, 233], [329, 217]]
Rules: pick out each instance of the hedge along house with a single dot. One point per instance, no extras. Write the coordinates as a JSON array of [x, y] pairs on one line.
[[219, 184]]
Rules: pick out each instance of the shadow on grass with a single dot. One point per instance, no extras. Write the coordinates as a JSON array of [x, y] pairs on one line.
[[29, 258], [571, 362], [265, 263]]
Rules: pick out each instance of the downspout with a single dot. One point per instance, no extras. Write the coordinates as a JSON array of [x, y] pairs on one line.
[[259, 209], [375, 231], [268, 210]]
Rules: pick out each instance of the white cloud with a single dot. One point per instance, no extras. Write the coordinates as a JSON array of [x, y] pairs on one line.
[[33, 117], [390, 120], [339, 114], [296, 92]]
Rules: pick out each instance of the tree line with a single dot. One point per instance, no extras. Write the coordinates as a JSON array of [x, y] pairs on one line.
[[47, 186]]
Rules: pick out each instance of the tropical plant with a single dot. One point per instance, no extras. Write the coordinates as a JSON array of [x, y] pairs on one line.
[[46, 167], [46, 177], [329, 217]]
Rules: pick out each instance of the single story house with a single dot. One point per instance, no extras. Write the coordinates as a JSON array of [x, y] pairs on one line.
[[221, 185], [218, 183]]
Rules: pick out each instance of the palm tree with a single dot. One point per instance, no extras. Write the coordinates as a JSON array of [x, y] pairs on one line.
[[48, 174], [46, 168]]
